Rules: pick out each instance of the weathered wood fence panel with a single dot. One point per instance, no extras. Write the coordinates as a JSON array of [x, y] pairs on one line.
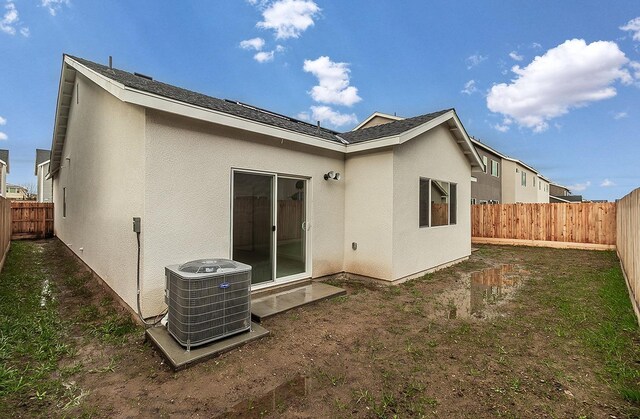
[[591, 223], [628, 243], [31, 220], [252, 221], [5, 229]]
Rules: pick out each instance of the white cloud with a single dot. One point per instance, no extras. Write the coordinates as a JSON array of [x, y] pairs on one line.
[[264, 56], [635, 66], [24, 31], [54, 5], [333, 82], [620, 115], [536, 45], [289, 18], [3, 136], [253, 43], [633, 26], [515, 56], [474, 60], [10, 19], [469, 87], [579, 187], [568, 76], [606, 183], [267, 56], [501, 127], [326, 114], [3, 121]]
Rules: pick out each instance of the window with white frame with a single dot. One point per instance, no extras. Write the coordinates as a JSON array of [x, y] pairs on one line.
[[495, 168], [438, 203], [485, 163], [523, 179]]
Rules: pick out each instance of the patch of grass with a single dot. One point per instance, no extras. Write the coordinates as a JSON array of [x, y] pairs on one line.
[[595, 307], [31, 333], [114, 329]]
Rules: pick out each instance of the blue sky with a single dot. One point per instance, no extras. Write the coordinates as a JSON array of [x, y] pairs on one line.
[[571, 108]]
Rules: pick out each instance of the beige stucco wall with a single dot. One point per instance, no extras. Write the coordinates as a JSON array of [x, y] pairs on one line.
[[512, 189], [542, 191], [102, 171], [369, 214], [433, 155], [45, 192], [188, 190]]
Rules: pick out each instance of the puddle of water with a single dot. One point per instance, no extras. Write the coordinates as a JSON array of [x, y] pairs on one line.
[[481, 293], [274, 401]]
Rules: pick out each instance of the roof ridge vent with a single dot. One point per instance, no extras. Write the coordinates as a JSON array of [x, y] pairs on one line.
[[144, 76]]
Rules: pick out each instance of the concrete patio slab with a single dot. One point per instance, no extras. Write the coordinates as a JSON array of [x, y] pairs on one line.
[[270, 305], [180, 358]]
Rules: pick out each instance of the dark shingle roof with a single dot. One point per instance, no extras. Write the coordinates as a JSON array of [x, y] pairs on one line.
[[229, 107], [143, 83], [41, 157], [390, 128], [4, 156]]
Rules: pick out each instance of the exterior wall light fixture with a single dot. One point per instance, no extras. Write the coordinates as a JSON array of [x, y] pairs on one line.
[[332, 175]]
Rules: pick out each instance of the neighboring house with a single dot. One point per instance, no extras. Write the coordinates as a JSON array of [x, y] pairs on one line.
[[506, 180], [562, 194], [543, 189], [17, 192], [486, 186], [522, 183], [45, 187], [4, 171], [217, 178]]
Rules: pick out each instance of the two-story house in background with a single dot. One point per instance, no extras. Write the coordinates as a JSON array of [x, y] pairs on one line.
[[559, 193], [506, 180], [486, 186]]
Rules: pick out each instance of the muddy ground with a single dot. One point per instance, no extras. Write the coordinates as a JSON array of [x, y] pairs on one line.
[[512, 332]]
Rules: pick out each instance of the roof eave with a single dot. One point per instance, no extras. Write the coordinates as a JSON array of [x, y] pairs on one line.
[[149, 100]]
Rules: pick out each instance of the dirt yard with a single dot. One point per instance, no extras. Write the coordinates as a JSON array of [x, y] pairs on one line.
[[515, 332]]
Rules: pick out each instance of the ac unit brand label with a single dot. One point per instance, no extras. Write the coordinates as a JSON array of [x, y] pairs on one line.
[[224, 285]]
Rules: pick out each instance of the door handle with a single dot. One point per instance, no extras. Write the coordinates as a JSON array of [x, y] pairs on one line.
[[306, 226]]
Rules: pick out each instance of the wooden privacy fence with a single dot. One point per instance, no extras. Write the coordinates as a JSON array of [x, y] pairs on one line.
[[31, 220], [252, 221], [5, 228], [592, 225], [628, 243]]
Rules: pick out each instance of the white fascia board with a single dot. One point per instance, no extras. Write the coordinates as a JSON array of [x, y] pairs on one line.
[[43, 163], [149, 100], [373, 144]]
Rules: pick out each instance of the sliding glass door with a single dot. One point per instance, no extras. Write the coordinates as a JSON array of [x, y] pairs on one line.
[[269, 225], [253, 223], [291, 228]]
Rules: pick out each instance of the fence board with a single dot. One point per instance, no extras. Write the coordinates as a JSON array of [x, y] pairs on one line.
[[575, 223], [628, 243], [5, 229], [31, 220]]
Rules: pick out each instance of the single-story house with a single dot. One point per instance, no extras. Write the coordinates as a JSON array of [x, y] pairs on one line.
[[4, 171], [45, 187], [219, 178]]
